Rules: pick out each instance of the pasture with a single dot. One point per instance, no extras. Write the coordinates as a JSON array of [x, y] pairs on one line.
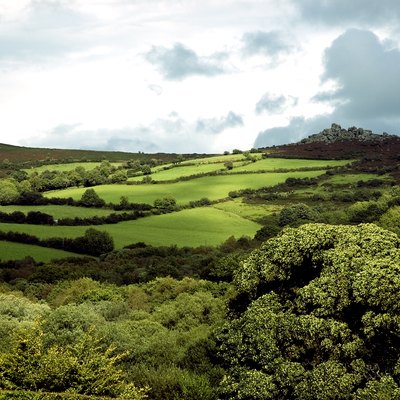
[[350, 179], [212, 187], [271, 164], [251, 211], [18, 251], [67, 167], [61, 211], [193, 227], [181, 171]]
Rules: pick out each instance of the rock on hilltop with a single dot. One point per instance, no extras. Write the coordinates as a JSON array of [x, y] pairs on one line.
[[336, 133]]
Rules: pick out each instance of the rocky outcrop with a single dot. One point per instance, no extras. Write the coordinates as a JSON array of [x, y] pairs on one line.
[[336, 133]]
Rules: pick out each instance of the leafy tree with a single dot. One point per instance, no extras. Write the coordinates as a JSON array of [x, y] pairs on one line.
[[166, 204], [317, 317], [95, 242], [8, 191], [366, 211], [228, 165], [91, 199], [85, 367], [296, 213], [118, 177], [146, 170]]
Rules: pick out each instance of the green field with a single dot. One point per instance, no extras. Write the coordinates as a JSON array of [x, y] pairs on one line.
[[217, 163], [193, 227], [344, 179], [220, 159], [67, 166], [249, 211], [178, 172], [61, 211], [18, 251], [270, 164], [212, 187]]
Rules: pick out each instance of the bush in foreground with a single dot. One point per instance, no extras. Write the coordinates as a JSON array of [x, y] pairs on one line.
[[317, 317]]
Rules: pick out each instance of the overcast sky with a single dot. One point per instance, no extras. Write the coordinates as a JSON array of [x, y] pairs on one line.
[[195, 75]]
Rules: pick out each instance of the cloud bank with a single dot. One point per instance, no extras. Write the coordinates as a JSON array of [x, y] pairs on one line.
[[366, 72]]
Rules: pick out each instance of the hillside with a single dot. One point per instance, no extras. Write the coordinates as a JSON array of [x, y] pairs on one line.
[[19, 154], [376, 153]]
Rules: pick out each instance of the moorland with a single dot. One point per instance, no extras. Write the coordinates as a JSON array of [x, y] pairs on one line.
[[262, 274]]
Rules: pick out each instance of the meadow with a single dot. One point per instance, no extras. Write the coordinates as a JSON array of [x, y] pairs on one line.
[[251, 211], [212, 187], [181, 171], [271, 164], [193, 227], [67, 167], [61, 211], [18, 251]]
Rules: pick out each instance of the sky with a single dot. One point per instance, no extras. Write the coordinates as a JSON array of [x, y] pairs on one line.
[[195, 76]]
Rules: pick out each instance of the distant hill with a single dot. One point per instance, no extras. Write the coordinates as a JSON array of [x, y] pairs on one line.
[[17, 154], [376, 153]]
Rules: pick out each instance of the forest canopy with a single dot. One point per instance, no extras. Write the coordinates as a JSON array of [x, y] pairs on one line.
[[316, 317]]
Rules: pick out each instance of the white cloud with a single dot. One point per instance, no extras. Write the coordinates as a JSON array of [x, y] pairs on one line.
[[229, 68]]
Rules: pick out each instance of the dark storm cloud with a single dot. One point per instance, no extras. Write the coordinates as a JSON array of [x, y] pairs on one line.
[[371, 12], [180, 62], [274, 104], [268, 43], [367, 74], [217, 125], [47, 29]]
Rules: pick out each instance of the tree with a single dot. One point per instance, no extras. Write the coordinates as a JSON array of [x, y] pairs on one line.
[[84, 367], [8, 191], [146, 169], [91, 199], [317, 316], [295, 213], [166, 204], [228, 165], [94, 242]]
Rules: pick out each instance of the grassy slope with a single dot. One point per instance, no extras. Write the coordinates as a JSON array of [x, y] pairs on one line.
[[178, 172], [249, 211], [213, 187], [281, 163], [60, 211], [68, 167], [192, 227], [18, 251]]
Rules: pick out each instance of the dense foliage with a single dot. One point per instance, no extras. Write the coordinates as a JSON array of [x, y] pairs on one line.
[[316, 317]]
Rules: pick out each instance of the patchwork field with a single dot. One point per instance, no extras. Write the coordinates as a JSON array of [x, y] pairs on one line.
[[18, 251], [194, 227], [181, 171], [270, 164], [249, 211], [212, 187], [67, 167], [61, 211]]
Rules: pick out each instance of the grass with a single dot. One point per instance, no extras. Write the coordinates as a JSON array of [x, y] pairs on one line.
[[212, 187], [344, 179], [269, 164], [67, 167], [178, 172], [220, 159], [250, 211], [193, 227], [18, 251], [61, 211]]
